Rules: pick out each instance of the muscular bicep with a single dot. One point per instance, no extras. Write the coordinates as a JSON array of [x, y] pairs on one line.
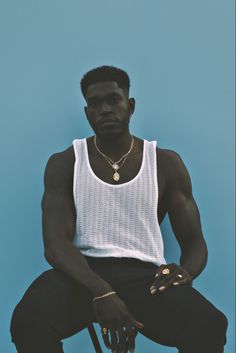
[[181, 207], [58, 210]]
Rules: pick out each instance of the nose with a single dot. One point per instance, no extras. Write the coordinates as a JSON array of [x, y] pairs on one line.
[[105, 108]]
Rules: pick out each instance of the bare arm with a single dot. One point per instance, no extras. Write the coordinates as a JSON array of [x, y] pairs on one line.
[[184, 217], [58, 223], [185, 221]]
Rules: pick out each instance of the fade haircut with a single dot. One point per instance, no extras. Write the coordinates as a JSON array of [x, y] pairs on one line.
[[105, 73]]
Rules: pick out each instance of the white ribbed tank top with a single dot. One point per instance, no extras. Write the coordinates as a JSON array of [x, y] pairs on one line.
[[117, 220]]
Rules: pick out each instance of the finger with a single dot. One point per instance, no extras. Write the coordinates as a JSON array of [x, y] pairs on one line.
[[131, 343], [181, 281], [162, 269], [159, 271], [163, 272], [127, 347], [114, 340], [132, 322], [131, 332], [167, 281], [106, 339], [139, 325], [175, 279], [164, 281], [122, 339]]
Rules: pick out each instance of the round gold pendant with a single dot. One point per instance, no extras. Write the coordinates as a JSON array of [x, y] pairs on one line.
[[116, 176]]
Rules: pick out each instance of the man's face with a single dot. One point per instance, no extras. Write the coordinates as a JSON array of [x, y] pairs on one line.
[[108, 109]]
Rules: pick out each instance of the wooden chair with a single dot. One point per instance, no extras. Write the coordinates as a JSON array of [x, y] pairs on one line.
[[94, 338]]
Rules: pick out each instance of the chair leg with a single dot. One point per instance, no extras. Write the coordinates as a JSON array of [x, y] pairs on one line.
[[94, 338]]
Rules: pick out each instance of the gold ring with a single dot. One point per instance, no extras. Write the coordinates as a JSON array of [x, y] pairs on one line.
[[166, 271], [104, 330]]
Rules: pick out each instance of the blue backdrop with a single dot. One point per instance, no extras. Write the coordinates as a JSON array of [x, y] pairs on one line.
[[180, 58]]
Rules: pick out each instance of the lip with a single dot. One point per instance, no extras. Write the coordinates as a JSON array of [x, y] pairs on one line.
[[108, 122]]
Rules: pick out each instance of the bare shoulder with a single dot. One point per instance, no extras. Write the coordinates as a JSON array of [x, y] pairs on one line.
[[59, 170], [166, 153], [174, 169], [169, 158]]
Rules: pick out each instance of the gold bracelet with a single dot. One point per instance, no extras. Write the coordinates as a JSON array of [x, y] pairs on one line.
[[104, 295]]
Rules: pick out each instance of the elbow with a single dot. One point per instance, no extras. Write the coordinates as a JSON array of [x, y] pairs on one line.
[[203, 258], [56, 253], [49, 257]]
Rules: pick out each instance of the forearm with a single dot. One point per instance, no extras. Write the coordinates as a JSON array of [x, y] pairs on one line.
[[69, 259], [186, 223], [194, 258]]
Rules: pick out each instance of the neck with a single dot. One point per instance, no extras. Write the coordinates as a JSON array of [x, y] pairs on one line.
[[116, 147]]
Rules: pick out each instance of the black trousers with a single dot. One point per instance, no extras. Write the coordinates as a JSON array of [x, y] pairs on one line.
[[55, 307]]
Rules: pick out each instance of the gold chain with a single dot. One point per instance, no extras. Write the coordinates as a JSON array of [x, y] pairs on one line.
[[114, 165]]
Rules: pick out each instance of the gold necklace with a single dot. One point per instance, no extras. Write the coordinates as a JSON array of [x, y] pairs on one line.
[[115, 165]]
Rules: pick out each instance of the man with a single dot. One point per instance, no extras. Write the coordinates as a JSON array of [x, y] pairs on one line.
[[104, 200]]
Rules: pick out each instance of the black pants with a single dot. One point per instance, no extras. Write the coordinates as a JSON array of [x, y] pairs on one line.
[[55, 307]]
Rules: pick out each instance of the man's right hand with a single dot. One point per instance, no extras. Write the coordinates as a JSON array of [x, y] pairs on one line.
[[112, 313]]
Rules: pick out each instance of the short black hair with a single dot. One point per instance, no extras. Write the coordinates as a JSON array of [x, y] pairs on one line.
[[105, 73]]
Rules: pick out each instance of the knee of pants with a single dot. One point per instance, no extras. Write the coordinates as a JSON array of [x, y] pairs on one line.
[[219, 322], [23, 322], [214, 326]]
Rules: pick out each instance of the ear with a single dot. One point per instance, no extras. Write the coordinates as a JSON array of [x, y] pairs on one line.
[[131, 105]]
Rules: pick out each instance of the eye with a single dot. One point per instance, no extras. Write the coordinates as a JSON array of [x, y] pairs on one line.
[[113, 99], [93, 104]]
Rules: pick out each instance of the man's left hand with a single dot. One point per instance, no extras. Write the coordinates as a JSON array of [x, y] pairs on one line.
[[169, 275]]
